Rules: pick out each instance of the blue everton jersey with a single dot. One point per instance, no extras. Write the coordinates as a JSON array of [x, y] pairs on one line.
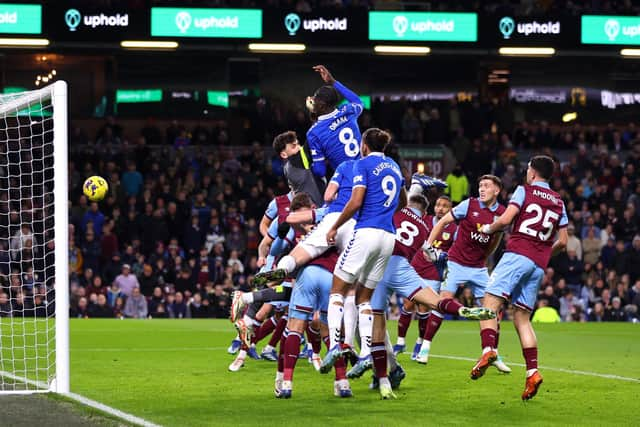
[[343, 178], [381, 177], [336, 136]]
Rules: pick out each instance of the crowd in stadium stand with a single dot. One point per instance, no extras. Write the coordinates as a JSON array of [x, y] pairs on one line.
[[179, 230]]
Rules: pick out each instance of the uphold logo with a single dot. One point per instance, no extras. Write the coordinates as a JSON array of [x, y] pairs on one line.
[[506, 26], [72, 19], [612, 29], [183, 21], [400, 25], [292, 23]]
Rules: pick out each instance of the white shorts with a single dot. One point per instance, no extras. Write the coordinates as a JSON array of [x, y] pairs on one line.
[[315, 243], [366, 256]]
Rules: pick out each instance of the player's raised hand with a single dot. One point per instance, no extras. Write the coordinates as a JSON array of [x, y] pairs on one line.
[[325, 74]]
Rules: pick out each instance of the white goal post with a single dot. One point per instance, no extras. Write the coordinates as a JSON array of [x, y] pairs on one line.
[[34, 267]]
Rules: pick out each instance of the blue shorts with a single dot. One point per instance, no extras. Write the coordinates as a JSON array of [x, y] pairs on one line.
[[456, 275], [399, 277], [311, 293], [433, 284], [517, 278]]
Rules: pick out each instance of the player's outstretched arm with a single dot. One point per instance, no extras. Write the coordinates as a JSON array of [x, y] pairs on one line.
[[348, 94], [503, 221], [263, 249], [264, 225], [301, 217], [440, 225]]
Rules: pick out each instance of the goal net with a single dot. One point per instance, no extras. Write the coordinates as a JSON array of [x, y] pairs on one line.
[[34, 292]]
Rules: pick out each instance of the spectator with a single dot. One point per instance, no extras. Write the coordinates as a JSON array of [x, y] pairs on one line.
[[101, 309], [198, 307], [155, 300], [5, 305], [91, 253], [147, 280], [597, 313], [573, 243], [95, 217], [573, 276], [79, 310], [550, 298], [96, 287], [113, 293], [615, 313], [178, 309], [126, 281], [457, 185], [591, 247], [132, 180], [136, 305]]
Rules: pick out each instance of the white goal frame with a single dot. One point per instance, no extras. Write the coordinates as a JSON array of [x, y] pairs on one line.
[[57, 94]]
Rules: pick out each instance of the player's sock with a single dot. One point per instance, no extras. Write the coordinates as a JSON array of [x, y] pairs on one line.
[[488, 339], [334, 318], [341, 368], [365, 327], [283, 341], [423, 318], [449, 306], [403, 324], [264, 330], [313, 337], [327, 342], [498, 334], [433, 324], [531, 359], [277, 333], [391, 357], [379, 356], [291, 350], [247, 297], [242, 354], [350, 319], [287, 263]]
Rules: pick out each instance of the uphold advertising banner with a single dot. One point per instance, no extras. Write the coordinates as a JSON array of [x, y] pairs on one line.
[[508, 30], [20, 18], [423, 26], [190, 22], [319, 27], [90, 23], [610, 29]]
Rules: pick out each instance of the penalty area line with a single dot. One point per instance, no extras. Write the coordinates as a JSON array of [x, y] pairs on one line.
[[548, 368]]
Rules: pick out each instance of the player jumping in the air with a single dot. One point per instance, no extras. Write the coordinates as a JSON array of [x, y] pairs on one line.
[[471, 249], [537, 214], [335, 136], [378, 191]]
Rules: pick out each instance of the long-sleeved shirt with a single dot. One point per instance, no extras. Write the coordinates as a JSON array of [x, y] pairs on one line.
[[136, 307]]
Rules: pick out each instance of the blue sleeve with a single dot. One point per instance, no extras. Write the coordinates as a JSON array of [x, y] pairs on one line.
[[518, 196], [317, 155], [564, 220], [356, 105], [359, 174], [278, 246], [461, 210], [273, 230], [272, 210], [337, 175], [318, 214]]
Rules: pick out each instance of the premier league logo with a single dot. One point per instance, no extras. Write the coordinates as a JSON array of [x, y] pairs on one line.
[[72, 19], [292, 23], [506, 26], [400, 25]]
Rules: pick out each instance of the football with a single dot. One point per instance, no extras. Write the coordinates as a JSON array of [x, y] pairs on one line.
[[95, 188]]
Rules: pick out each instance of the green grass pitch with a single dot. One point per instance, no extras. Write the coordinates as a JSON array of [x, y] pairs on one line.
[[174, 373]]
